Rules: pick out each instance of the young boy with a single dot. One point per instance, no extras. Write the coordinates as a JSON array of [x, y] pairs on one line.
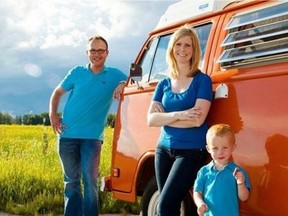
[[220, 183]]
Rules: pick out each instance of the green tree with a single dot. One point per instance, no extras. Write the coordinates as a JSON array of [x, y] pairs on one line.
[[18, 120], [32, 119], [110, 121], [1, 118], [45, 118], [6, 118]]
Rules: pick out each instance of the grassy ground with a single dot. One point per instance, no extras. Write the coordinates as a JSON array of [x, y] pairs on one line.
[[31, 176]]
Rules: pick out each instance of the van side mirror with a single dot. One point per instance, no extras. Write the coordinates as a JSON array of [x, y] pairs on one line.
[[136, 72]]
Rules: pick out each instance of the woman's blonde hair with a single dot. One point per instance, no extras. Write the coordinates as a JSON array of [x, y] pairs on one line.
[[196, 55]]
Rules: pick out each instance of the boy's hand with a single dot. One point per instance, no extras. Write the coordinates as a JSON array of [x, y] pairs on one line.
[[240, 178], [202, 209]]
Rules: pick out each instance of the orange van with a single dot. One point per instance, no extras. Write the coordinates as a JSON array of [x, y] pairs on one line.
[[245, 51]]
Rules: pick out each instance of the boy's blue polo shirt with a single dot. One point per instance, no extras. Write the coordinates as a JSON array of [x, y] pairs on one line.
[[90, 98], [219, 189]]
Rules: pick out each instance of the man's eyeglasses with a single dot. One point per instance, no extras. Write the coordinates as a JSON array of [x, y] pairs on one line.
[[99, 51]]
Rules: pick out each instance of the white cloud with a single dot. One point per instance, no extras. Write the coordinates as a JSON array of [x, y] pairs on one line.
[[44, 39], [33, 70], [55, 23]]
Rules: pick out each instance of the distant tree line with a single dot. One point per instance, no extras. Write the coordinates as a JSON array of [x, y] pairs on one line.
[[39, 119], [26, 119]]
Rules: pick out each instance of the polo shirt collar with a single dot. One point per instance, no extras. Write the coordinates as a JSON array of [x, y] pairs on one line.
[[103, 70], [230, 165]]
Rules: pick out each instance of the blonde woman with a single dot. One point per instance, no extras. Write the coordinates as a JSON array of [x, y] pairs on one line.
[[180, 106]]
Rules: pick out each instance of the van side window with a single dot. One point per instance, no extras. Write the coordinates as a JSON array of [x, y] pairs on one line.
[[147, 59], [203, 32], [160, 67], [257, 37]]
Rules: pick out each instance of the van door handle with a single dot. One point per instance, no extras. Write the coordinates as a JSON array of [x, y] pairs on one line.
[[221, 91]]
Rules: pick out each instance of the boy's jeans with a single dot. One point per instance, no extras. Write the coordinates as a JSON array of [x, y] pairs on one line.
[[80, 158]]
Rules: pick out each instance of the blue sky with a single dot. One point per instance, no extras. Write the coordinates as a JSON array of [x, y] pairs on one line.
[[41, 40]]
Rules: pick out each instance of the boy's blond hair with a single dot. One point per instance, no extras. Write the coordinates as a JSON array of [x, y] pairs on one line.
[[221, 130]]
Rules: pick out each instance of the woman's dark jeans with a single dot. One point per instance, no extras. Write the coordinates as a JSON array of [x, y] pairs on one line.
[[176, 171]]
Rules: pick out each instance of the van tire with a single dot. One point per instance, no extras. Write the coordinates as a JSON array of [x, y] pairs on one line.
[[150, 199]]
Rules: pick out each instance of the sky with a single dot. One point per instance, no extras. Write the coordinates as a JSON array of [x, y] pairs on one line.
[[41, 40]]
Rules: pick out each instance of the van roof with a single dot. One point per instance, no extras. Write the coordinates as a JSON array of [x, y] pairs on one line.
[[186, 9]]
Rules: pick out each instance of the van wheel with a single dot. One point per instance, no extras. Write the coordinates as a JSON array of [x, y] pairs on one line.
[[150, 200]]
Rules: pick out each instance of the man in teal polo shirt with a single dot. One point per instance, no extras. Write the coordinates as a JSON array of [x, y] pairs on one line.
[[92, 88]]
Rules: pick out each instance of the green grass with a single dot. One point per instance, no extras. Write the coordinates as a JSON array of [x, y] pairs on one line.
[[31, 179]]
